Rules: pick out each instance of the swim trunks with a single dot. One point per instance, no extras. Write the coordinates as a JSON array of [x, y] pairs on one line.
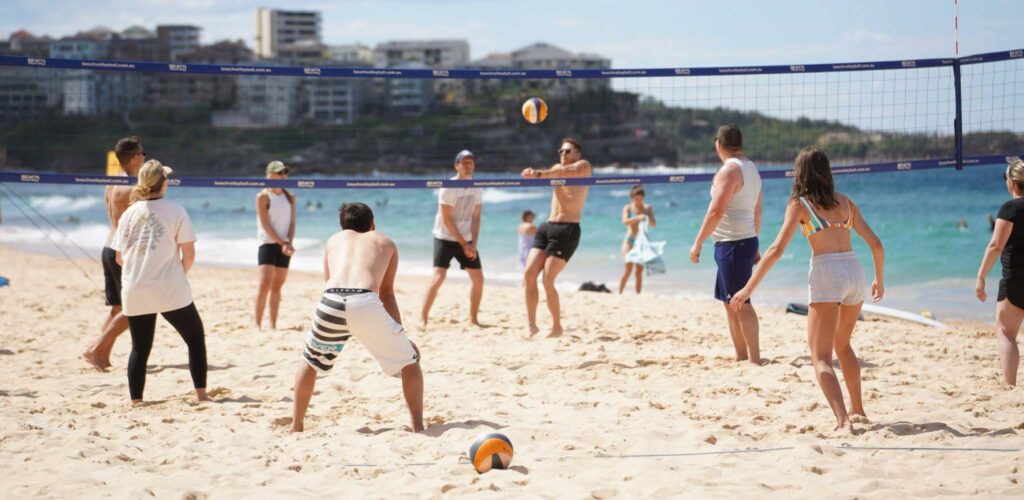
[[558, 239], [346, 312]]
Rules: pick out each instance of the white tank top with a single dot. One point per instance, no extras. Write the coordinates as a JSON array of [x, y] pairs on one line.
[[738, 221], [280, 219]]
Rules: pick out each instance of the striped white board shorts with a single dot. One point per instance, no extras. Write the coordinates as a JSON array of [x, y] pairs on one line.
[[346, 312], [836, 277]]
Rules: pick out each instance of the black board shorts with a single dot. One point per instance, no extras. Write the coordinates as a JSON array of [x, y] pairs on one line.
[[111, 276], [558, 239], [445, 250], [271, 254], [1011, 289]]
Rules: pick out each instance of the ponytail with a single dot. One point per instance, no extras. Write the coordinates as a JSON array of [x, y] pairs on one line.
[[139, 192]]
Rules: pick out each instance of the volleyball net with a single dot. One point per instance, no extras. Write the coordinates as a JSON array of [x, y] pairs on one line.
[[366, 127]]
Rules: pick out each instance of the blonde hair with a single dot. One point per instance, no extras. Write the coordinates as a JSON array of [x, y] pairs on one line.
[[1015, 173], [151, 180]]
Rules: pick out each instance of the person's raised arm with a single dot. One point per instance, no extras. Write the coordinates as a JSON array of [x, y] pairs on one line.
[[387, 287], [860, 225], [772, 255], [188, 255], [725, 185], [580, 168], [1000, 235], [263, 217]]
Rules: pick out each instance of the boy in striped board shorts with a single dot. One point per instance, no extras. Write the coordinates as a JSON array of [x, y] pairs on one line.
[[359, 300]]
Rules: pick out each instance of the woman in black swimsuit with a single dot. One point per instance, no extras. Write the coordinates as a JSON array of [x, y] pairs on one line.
[[1008, 243]]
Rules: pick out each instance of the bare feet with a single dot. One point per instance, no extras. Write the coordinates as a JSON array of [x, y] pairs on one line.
[[91, 358], [555, 332], [423, 325], [846, 426], [534, 330], [201, 396], [297, 427], [859, 417], [757, 362]]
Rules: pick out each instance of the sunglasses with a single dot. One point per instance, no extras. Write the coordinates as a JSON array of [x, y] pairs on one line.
[[564, 151]]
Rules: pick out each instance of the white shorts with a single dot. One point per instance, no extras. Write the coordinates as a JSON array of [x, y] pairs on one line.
[[346, 312], [836, 277]]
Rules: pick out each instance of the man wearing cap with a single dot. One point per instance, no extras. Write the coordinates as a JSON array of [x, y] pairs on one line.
[[275, 228], [456, 231]]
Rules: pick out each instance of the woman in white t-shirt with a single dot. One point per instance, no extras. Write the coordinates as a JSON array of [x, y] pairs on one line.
[[155, 244], [275, 228]]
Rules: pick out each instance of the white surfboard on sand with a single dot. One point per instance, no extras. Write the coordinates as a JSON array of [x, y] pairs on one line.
[[881, 311], [896, 313]]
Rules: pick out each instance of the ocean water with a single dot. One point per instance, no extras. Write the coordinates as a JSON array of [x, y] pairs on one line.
[[930, 263]]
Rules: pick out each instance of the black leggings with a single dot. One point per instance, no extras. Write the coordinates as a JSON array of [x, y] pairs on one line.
[[188, 324]]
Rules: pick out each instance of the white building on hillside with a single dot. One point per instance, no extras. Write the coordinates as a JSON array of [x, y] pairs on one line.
[[280, 27]]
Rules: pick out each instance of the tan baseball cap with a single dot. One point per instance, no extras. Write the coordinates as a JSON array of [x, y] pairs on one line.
[[152, 172], [277, 167]]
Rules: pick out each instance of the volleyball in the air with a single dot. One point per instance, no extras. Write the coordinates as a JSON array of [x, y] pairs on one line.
[[535, 110], [490, 451]]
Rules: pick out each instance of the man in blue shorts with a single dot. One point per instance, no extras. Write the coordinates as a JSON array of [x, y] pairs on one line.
[[733, 220]]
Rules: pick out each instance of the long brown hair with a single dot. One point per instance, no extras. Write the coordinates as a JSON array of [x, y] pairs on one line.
[[812, 178]]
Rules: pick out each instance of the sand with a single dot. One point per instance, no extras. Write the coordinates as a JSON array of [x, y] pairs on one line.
[[640, 398]]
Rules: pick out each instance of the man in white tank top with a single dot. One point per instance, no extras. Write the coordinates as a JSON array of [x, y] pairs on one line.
[[733, 221]]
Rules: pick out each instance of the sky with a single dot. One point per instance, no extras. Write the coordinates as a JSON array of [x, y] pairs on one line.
[[633, 33]]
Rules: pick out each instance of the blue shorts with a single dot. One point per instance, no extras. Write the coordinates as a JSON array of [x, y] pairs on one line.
[[735, 261]]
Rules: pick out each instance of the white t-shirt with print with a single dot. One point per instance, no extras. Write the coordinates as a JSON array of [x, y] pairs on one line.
[[152, 278], [462, 201]]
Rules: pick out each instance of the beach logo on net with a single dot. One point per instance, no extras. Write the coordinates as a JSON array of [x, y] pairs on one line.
[[435, 184], [173, 182], [557, 182], [306, 184], [311, 71], [904, 165], [677, 178], [29, 178], [441, 73], [1015, 54], [682, 71], [908, 64], [177, 67], [797, 68], [37, 61], [563, 72]]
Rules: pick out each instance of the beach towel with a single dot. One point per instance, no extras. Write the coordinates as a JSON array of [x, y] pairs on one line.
[[647, 253]]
